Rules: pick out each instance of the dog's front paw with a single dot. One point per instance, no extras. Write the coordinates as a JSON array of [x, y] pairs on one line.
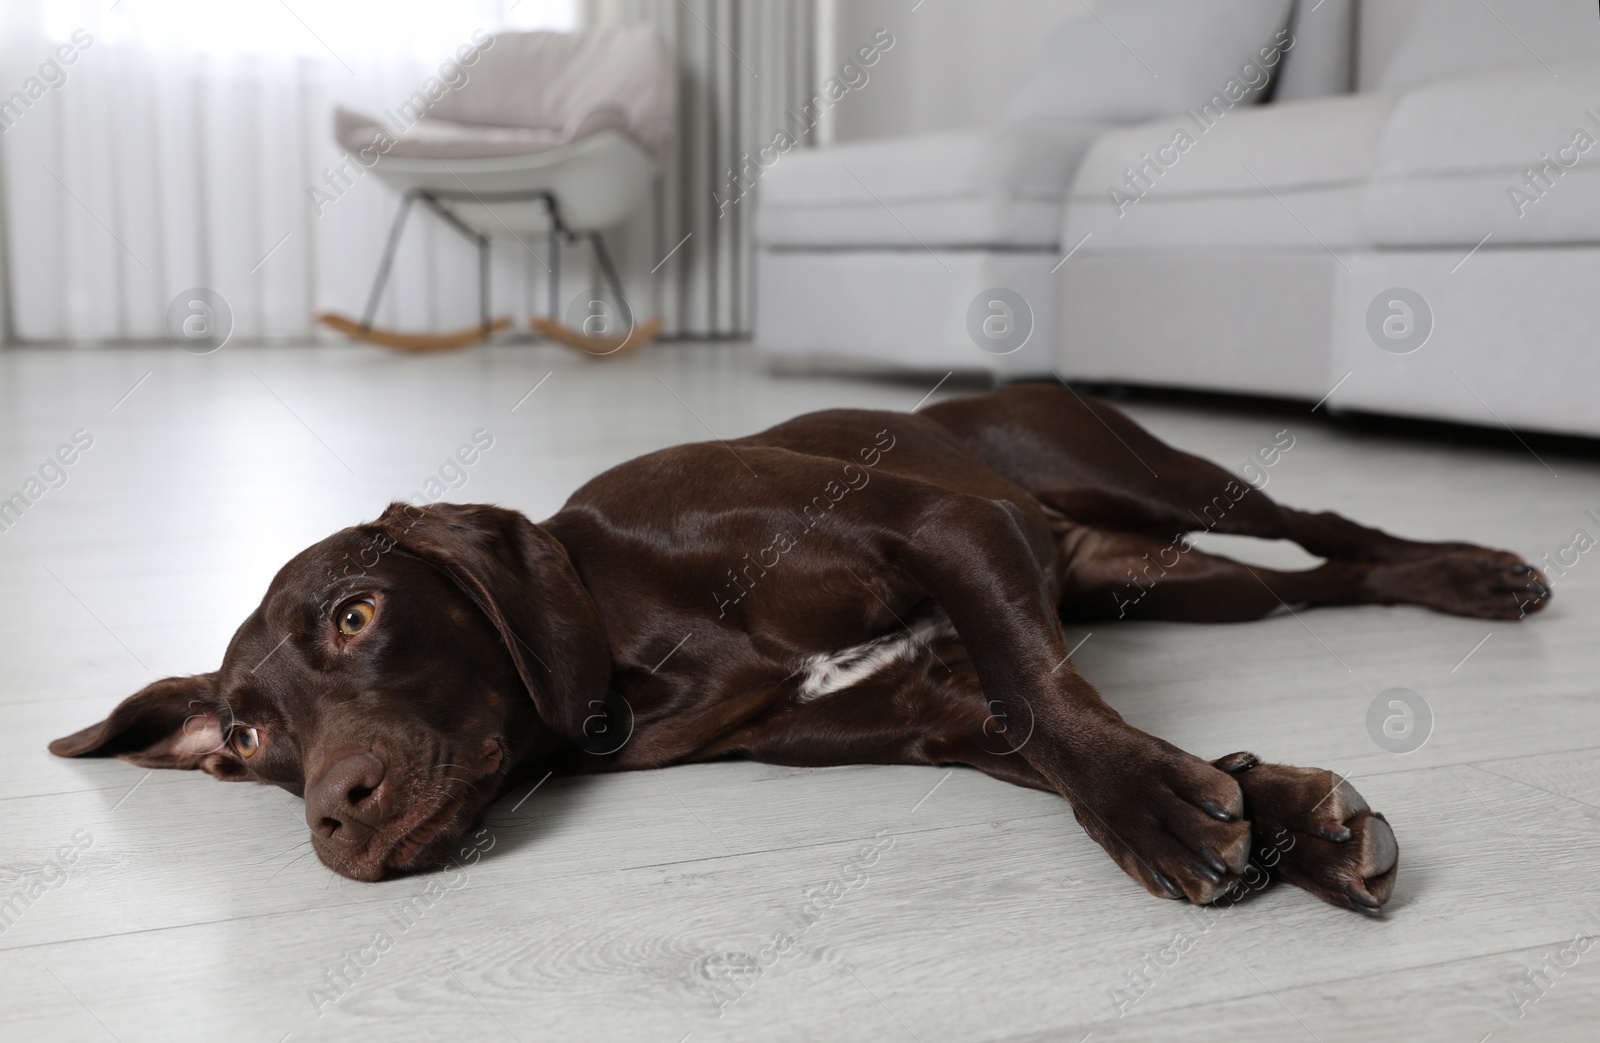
[[1170, 820], [1313, 829]]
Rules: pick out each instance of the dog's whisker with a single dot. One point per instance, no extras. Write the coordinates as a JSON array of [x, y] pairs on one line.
[[292, 861], [300, 828], [280, 854]]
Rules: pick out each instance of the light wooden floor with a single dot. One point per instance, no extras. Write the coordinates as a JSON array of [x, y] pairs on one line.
[[628, 907]]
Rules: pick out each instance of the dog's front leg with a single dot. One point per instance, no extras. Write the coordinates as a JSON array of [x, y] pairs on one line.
[[1172, 821]]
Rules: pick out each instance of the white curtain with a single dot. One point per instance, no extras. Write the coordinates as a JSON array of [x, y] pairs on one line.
[[156, 146], [745, 67]]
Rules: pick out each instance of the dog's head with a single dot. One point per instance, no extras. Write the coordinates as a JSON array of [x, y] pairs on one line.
[[393, 676]]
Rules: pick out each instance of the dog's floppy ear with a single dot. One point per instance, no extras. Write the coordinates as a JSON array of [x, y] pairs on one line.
[[172, 723], [523, 581]]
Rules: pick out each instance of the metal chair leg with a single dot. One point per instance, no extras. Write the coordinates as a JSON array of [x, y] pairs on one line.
[[555, 274], [389, 249], [610, 272], [448, 216], [557, 233], [483, 283]]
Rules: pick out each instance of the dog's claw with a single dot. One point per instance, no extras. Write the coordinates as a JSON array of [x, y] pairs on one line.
[[1166, 882], [1235, 763], [1362, 901], [1338, 836], [1217, 811]]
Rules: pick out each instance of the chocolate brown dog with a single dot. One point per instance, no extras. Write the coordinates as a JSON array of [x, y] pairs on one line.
[[847, 587]]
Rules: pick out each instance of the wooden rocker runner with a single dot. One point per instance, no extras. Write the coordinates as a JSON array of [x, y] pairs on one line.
[[635, 335]]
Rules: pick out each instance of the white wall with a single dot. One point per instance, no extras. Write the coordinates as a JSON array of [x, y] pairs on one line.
[[953, 64]]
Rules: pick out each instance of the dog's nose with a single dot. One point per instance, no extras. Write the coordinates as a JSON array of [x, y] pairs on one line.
[[344, 804]]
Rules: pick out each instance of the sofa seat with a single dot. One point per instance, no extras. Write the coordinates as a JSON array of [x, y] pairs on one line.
[[1291, 175], [999, 188], [1515, 155]]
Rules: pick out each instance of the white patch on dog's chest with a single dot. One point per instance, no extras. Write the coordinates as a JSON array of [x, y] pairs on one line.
[[826, 674]]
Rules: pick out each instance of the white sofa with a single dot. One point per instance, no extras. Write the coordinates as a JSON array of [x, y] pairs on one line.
[[1375, 234]]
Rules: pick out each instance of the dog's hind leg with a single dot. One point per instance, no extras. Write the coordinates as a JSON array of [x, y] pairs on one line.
[[1088, 459], [1090, 463], [1120, 575]]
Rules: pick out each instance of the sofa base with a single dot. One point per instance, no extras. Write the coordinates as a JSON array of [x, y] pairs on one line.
[[904, 310], [1256, 323], [1510, 342]]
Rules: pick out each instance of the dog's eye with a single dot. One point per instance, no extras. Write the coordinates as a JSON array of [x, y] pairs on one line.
[[354, 617], [244, 741]]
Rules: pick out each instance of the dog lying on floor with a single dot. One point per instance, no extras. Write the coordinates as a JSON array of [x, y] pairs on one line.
[[847, 587]]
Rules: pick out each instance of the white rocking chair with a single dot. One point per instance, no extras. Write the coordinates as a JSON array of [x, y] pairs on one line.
[[552, 133]]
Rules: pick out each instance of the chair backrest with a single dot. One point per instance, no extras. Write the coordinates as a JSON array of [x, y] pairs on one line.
[[555, 81], [1404, 43]]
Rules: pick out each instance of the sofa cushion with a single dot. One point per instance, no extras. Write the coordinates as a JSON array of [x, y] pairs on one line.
[[1279, 175], [1514, 154], [1000, 187], [969, 222], [1129, 60], [1307, 219], [1406, 43]]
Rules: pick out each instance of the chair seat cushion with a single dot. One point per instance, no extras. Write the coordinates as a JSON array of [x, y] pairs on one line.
[[1000, 187], [556, 81], [430, 138], [527, 93]]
